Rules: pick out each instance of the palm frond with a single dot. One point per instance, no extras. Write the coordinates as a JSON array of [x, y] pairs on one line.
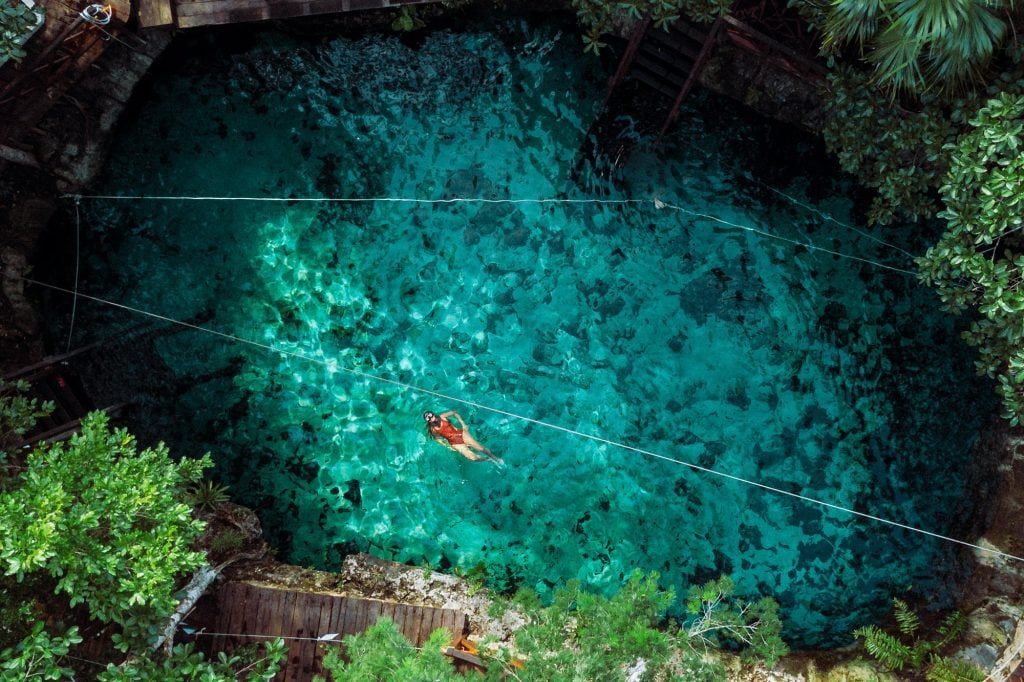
[[852, 21], [905, 618], [962, 52], [897, 59]]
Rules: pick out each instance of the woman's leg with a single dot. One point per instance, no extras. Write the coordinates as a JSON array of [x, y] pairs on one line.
[[467, 452], [474, 443]]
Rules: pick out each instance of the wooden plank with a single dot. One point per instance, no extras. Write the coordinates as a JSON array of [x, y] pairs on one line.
[[337, 621], [276, 624], [193, 9], [435, 621], [401, 619], [448, 621], [373, 608], [122, 10], [50, 360], [240, 617], [323, 628], [423, 631], [204, 20], [154, 13], [351, 612], [250, 620], [361, 623], [314, 605], [413, 621], [422, 621], [230, 610], [430, 617], [465, 656], [389, 610], [292, 663]]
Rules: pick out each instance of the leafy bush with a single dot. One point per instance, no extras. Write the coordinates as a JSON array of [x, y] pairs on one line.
[[16, 21], [39, 656], [383, 653], [251, 664], [908, 650], [898, 153], [106, 521], [717, 616], [18, 414], [978, 261]]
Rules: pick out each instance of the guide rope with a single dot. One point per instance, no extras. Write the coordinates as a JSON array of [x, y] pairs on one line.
[[657, 203], [660, 204], [830, 218], [78, 259], [332, 364]]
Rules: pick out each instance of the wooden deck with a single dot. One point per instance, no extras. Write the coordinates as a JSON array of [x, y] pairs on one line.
[[194, 13], [245, 608]]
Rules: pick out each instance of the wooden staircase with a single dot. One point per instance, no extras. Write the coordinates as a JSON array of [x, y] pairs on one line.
[[55, 380], [670, 62], [657, 71]]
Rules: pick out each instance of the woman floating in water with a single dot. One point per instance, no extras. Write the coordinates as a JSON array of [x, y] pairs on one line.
[[459, 440]]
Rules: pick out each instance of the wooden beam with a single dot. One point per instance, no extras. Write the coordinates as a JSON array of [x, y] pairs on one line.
[[154, 13]]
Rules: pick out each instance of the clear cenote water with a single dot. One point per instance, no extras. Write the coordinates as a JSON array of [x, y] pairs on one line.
[[656, 328]]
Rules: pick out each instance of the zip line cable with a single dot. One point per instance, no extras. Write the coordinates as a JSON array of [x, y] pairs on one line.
[[78, 262], [657, 203], [825, 216], [660, 204], [355, 200], [830, 218], [333, 365]]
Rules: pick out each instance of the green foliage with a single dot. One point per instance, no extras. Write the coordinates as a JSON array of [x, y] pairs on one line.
[[16, 21], [207, 495], [39, 656], [228, 541], [978, 261], [716, 616], [582, 636], [599, 17], [953, 670], [407, 21], [383, 653], [896, 152], [187, 665], [107, 522], [909, 650], [917, 45], [475, 576], [18, 413]]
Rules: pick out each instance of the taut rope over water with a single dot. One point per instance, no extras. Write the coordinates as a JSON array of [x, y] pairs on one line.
[[333, 364], [657, 203], [78, 261]]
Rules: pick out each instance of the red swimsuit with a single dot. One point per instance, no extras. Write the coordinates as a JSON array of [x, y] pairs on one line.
[[448, 432]]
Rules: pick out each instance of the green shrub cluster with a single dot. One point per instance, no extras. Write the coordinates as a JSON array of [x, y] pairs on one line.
[[908, 650], [96, 521]]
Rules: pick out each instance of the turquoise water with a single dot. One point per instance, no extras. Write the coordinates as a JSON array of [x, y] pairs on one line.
[[657, 328]]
